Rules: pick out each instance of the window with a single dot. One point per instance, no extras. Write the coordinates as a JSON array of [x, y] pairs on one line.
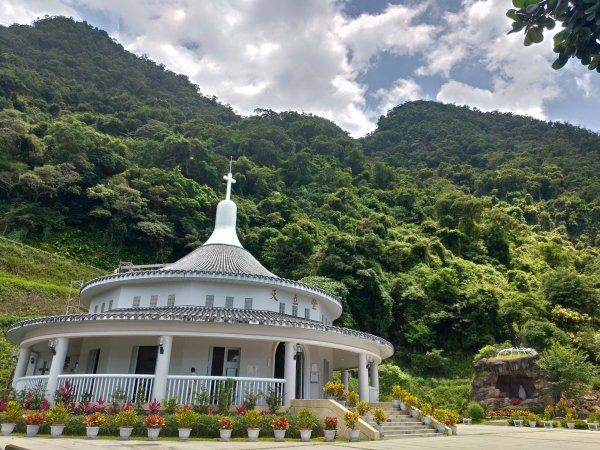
[[103, 307], [306, 313], [96, 309], [247, 303], [294, 310], [228, 302], [110, 305], [281, 308], [136, 301], [171, 300], [210, 301], [153, 301]]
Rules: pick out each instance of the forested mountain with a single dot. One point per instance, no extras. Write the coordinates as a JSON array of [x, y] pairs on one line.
[[444, 230]]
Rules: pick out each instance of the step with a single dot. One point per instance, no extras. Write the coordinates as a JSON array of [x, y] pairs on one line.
[[410, 436]]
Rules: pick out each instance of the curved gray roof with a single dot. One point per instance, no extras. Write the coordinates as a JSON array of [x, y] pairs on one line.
[[221, 258]]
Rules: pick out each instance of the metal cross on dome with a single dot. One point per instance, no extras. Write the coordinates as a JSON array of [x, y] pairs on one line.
[[230, 180]]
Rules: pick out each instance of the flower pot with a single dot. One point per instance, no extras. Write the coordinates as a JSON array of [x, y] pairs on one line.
[[454, 429], [571, 425], [184, 434], [380, 429], [56, 430], [518, 423], [32, 430], [415, 413], [8, 428], [279, 435], [353, 435], [153, 433], [467, 421], [548, 424], [427, 420], [124, 433], [91, 432], [253, 434], [441, 428], [532, 424], [329, 435], [342, 402], [403, 406], [396, 404], [305, 434], [225, 434], [593, 426]]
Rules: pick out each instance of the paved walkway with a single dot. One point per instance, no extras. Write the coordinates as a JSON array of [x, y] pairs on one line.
[[471, 437]]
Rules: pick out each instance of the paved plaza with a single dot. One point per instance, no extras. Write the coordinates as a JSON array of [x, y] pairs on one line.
[[472, 437]]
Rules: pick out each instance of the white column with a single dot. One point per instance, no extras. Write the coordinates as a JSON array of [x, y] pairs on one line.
[[345, 379], [289, 373], [61, 345], [375, 379], [21, 368], [363, 377], [163, 361]]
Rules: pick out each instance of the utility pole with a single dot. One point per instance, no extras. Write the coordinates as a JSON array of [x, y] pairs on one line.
[[73, 283]]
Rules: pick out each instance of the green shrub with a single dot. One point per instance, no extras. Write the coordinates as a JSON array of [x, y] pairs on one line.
[[581, 425], [475, 411]]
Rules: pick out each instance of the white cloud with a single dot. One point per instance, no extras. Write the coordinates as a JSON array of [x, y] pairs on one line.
[[403, 90], [25, 12], [584, 83]]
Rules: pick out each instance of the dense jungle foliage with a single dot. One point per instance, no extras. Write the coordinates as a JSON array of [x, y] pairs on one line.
[[444, 230]]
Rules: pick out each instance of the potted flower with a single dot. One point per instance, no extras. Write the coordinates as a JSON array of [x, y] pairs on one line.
[[397, 395], [33, 422], [126, 419], [517, 419], [154, 422], [426, 410], [185, 417], [570, 417], [253, 418], [352, 399], [56, 417], [533, 420], [306, 422], [592, 421], [351, 419], [548, 413], [439, 415], [452, 418], [92, 424], [362, 408], [335, 390], [225, 427], [12, 414], [331, 423], [379, 416], [280, 425]]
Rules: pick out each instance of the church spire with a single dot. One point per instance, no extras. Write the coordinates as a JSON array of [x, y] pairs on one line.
[[225, 222]]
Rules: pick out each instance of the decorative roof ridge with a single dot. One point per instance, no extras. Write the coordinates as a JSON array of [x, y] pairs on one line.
[[203, 314]]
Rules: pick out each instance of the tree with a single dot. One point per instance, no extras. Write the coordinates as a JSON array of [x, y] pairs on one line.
[[580, 19], [567, 370]]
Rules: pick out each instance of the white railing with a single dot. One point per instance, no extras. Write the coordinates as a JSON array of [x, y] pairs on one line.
[[108, 387], [186, 387], [32, 383]]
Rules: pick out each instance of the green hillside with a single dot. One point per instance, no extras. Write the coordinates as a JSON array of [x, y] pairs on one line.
[[445, 230]]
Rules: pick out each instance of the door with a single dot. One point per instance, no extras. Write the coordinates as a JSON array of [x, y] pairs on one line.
[[145, 365]]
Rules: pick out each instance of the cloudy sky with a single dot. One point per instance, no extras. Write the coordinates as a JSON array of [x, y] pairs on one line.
[[349, 61]]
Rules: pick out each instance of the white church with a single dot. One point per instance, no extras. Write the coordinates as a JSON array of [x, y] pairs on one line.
[[213, 315]]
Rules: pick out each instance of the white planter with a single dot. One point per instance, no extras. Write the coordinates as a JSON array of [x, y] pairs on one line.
[[396, 404], [8, 428], [415, 413], [380, 429], [184, 434], [548, 424], [32, 430], [305, 434], [532, 424], [91, 432], [329, 435], [56, 431], [342, 402], [593, 426], [571, 425], [427, 420], [253, 434], [153, 433], [279, 435], [454, 429], [518, 423], [225, 434], [124, 433], [467, 421], [353, 435], [402, 406], [441, 428]]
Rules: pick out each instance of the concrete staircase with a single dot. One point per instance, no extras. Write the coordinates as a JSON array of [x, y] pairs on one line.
[[400, 424]]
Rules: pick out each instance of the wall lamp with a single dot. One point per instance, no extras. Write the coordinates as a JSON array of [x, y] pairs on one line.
[[52, 346], [298, 350], [369, 362], [161, 346]]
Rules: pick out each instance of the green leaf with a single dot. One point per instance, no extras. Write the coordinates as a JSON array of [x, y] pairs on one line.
[[519, 4], [527, 41], [512, 14], [550, 24], [531, 9], [537, 35], [560, 62]]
